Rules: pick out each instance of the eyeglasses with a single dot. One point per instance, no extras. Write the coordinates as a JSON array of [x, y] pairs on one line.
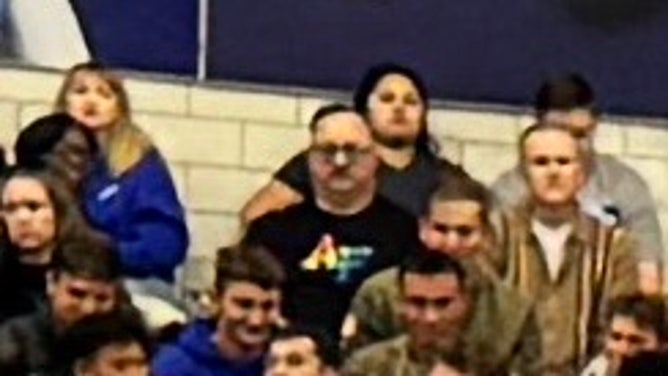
[[340, 154]]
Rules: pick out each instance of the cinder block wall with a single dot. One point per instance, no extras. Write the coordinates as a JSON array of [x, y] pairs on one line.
[[222, 142]]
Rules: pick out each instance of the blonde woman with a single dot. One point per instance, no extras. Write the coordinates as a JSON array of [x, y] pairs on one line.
[[128, 193]]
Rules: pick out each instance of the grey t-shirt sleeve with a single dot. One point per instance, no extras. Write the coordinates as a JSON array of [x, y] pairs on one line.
[[510, 188], [638, 215]]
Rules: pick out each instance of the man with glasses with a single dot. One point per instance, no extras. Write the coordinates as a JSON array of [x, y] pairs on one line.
[[636, 324], [613, 191], [330, 244], [248, 285]]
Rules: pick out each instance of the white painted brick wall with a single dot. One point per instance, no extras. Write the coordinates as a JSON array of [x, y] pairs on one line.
[[211, 230], [193, 140], [23, 85], [269, 145], [223, 190], [655, 172], [243, 105], [8, 122], [486, 161], [30, 111], [649, 142], [158, 97], [471, 126], [309, 105], [609, 138]]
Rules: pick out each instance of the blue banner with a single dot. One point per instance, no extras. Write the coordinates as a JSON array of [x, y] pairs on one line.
[[476, 50]]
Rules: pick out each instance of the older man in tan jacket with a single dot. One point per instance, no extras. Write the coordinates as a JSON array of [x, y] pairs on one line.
[[569, 264]]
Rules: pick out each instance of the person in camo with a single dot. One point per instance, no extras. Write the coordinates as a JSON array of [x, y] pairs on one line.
[[499, 329]]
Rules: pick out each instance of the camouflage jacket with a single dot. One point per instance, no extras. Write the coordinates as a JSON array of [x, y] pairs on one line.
[[501, 334]]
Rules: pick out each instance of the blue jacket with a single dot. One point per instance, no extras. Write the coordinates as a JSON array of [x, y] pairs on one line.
[[195, 354], [141, 212]]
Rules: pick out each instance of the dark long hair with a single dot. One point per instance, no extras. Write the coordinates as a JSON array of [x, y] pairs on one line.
[[41, 137], [424, 144], [70, 223]]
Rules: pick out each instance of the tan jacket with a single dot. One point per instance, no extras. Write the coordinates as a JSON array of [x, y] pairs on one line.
[[599, 264]]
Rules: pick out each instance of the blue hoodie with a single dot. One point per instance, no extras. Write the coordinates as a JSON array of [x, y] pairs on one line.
[[195, 354], [141, 212]]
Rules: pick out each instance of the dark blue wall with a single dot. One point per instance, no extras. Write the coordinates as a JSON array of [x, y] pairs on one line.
[[151, 35], [474, 50]]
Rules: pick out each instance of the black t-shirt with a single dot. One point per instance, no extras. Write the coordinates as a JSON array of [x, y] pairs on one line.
[[327, 257], [409, 187]]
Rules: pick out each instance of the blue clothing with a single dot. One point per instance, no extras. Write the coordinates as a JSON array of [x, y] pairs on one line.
[[141, 212], [195, 354]]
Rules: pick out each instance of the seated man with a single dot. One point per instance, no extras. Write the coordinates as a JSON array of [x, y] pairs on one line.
[[635, 324], [568, 263], [329, 245], [613, 192], [301, 351], [248, 281], [84, 279], [457, 224], [446, 327], [115, 343]]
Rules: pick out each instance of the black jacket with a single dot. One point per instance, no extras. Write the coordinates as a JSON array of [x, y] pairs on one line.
[[27, 344], [22, 287]]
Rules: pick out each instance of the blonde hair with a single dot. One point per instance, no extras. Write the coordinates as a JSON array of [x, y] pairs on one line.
[[126, 142]]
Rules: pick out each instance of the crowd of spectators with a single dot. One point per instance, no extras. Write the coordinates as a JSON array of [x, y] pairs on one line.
[[366, 254]]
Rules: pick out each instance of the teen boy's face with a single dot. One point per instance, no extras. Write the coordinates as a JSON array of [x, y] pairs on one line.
[[249, 313], [453, 227], [626, 339], [73, 298], [295, 356]]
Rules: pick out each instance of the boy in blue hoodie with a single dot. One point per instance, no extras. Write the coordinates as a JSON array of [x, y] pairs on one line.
[[248, 282]]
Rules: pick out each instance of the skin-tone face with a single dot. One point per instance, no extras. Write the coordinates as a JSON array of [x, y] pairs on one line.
[[73, 298], [581, 122], [248, 315], [396, 111], [626, 339], [453, 227], [293, 357], [553, 167], [341, 158], [91, 101], [29, 215], [71, 157], [434, 309], [116, 360]]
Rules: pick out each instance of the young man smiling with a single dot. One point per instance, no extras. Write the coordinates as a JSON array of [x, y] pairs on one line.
[[248, 281]]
